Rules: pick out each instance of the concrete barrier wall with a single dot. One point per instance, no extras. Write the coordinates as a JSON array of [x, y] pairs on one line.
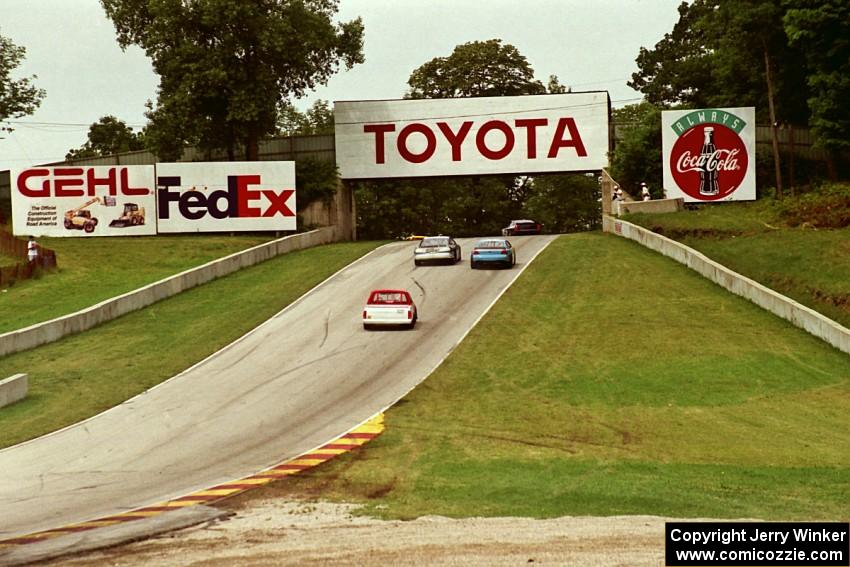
[[13, 389], [653, 206], [55, 329], [807, 319]]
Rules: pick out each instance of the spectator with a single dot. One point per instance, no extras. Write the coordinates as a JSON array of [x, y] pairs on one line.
[[644, 192], [621, 198], [32, 250]]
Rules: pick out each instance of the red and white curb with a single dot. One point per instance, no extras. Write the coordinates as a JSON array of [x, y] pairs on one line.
[[353, 439]]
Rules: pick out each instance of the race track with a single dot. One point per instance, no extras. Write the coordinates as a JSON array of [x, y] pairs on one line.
[[301, 379]]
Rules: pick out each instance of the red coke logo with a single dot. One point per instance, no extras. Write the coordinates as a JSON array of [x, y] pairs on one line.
[[709, 161]]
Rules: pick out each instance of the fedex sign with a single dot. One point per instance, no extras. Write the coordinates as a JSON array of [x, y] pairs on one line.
[[472, 136], [225, 196]]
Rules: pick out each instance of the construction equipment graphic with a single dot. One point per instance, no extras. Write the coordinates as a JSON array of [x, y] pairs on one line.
[[80, 218], [133, 215]]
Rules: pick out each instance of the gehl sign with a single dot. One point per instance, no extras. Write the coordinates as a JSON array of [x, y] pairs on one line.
[[146, 199], [472, 136]]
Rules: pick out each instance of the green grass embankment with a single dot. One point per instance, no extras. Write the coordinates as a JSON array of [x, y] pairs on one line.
[[785, 245], [85, 374], [573, 397], [92, 270]]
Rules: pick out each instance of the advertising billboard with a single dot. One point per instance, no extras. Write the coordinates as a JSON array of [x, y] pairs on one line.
[[225, 196], [83, 201], [472, 136], [709, 154]]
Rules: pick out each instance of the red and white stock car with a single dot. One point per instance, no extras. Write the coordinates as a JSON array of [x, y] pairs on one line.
[[389, 307]]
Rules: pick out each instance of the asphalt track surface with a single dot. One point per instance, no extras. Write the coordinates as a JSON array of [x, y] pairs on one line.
[[303, 378]]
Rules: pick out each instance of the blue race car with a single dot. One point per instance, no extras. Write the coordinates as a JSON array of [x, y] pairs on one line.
[[493, 251]]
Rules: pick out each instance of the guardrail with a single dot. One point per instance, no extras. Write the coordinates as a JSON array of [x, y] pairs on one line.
[[55, 329], [799, 315]]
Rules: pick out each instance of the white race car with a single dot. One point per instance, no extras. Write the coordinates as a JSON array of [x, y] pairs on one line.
[[389, 307], [437, 249]]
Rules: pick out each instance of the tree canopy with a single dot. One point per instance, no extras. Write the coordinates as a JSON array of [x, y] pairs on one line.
[[716, 56], [789, 59], [18, 97], [108, 136], [477, 68], [820, 30], [228, 67], [637, 156], [318, 119]]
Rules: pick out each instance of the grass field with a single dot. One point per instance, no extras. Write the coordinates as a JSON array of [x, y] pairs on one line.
[[572, 397], [87, 373], [809, 265], [94, 269], [609, 380]]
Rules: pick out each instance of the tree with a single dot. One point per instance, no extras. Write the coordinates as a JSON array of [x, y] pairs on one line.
[[566, 203], [677, 70], [318, 119], [108, 136], [725, 53], [18, 97], [821, 31], [477, 68], [719, 54], [228, 67], [637, 155]]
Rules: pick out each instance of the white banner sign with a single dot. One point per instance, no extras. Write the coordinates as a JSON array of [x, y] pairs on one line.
[[226, 196], [84, 201], [472, 136], [709, 154]]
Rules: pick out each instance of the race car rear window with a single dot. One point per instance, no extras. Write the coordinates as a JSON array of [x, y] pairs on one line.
[[390, 298]]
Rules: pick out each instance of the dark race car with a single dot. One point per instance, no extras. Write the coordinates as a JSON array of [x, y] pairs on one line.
[[520, 227]]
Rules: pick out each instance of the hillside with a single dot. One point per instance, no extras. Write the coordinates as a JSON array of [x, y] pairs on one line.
[[798, 246]]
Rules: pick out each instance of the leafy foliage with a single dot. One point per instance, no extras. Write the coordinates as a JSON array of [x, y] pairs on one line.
[[637, 156], [316, 180], [828, 207], [18, 97], [477, 68], [318, 119], [108, 136], [677, 70], [227, 67], [460, 207], [820, 30], [566, 203], [725, 53], [715, 57]]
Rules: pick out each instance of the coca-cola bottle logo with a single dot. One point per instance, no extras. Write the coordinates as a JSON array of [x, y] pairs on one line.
[[709, 161]]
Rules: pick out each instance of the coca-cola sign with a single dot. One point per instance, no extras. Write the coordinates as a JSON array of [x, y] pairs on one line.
[[709, 154]]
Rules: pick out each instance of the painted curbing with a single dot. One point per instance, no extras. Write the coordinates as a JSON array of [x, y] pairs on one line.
[[355, 438], [797, 314]]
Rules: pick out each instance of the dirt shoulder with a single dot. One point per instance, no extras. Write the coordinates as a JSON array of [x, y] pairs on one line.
[[279, 532]]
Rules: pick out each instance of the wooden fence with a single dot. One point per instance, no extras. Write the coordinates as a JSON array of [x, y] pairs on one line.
[[23, 270]]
